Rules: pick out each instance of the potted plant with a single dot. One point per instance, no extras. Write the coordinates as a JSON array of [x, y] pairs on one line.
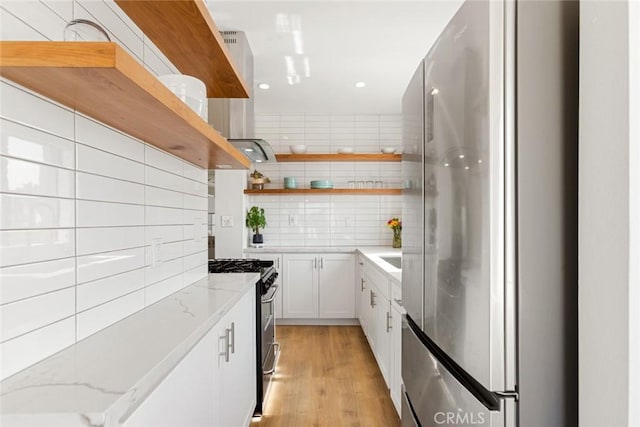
[[258, 180], [255, 221]]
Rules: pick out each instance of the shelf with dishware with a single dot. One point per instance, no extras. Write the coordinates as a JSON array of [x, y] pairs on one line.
[[329, 157], [325, 191], [103, 81], [187, 35]]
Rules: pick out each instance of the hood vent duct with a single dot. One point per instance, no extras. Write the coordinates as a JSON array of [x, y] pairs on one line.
[[235, 117]]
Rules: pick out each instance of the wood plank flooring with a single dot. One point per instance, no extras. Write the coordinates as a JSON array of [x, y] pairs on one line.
[[327, 376]]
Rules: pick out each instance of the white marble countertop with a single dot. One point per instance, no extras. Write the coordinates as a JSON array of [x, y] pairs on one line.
[[374, 255], [102, 379], [300, 249]]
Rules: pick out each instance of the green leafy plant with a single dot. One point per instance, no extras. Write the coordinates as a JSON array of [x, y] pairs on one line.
[[256, 219]]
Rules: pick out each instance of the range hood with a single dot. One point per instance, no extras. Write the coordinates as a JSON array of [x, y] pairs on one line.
[[235, 118]]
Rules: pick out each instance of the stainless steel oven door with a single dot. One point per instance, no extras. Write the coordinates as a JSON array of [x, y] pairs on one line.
[[270, 347]]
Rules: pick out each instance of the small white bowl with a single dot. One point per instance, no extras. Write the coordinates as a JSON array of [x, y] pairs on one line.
[[298, 149], [345, 150], [388, 150]]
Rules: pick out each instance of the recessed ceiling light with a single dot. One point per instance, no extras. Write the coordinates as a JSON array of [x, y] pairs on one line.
[[264, 86], [466, 167], [461, 156], [360, 84], [434, 91], [479, 160], [223, 166], [248, 150], [446, 165], [259, 161]]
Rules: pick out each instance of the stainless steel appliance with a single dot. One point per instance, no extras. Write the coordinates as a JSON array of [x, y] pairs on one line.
[[235, 117], [268, 350], [489, 217]]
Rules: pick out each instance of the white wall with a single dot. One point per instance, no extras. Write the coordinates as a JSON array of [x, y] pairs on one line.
[[336, 220], [634, 213], [609, 214], [81, 204], [231, 236]]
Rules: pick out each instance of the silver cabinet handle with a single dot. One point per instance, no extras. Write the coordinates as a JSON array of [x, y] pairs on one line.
[[388, 322], [372, 298], [232, 331], [225, 353], [362, 285], [315, 263], [322, 263]]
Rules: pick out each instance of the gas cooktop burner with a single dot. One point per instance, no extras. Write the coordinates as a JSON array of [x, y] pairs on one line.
[[267, 272]]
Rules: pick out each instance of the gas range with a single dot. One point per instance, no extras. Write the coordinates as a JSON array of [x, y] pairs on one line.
[[266, 269]]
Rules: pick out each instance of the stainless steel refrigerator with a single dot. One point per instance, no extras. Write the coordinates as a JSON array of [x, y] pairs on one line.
[[489, 220]]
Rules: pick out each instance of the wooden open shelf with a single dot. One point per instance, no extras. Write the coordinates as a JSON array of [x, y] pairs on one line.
[[103, 81], [185, 32], [339, 157], [365, 191]]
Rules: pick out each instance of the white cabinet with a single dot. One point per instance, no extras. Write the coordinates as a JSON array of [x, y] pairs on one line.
[[236, 363], [277, 263], [300, 286], [187, 396], [396, 354], [215, 383], [336, 293], [318, 286], [375, 316]]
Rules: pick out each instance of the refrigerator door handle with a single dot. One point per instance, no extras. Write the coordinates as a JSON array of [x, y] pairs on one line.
[[507, 395], [488, 398]]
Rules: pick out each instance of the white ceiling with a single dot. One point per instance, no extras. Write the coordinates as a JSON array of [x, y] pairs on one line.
[[378, 42]]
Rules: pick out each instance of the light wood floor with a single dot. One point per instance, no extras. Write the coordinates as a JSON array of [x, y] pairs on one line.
[[327, 376]]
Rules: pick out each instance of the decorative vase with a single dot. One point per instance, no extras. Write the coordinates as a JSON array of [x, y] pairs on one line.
[[397, 239]]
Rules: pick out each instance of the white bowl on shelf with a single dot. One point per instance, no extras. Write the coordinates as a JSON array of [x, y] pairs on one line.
[[298, 149], [345, 150], [388, 150], [190, 90]]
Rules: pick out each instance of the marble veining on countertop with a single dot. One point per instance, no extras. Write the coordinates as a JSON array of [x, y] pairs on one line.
[[300, 249], [102, 379]]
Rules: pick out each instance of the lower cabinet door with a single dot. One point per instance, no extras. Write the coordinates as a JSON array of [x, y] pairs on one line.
[[383, 337], [300, 286], [187, 396], [237, 365], [337, 298]]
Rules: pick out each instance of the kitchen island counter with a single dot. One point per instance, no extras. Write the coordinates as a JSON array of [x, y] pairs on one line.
[[102, 379]]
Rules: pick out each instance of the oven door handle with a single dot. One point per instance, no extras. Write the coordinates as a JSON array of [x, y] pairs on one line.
[[275, 360], [273, 295]]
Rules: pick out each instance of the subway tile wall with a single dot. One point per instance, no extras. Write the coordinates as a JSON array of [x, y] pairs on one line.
[[83, 205], [335, 220]]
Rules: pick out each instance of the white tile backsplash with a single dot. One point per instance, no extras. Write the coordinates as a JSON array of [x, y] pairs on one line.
[[29, 314], [81, 203], [27, 246], [28, 212], [106, 239], [21, 106], [26, 143], [105, 214], [28, 280], [339, 220], [19, 176], [27, 349], [97, 266]]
